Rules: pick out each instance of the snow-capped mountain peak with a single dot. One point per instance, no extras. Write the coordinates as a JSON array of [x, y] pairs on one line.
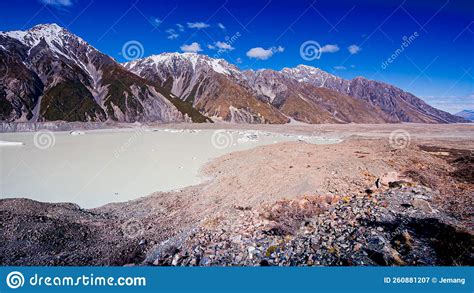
[[53, 34], [195, 61], [59, 67], [56, 67], [310, 74]]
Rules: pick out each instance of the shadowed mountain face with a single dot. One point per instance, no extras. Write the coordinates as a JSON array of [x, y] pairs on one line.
[[48, 74]]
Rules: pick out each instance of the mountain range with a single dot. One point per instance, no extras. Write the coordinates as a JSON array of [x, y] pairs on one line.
[[466, 114], [49, 74]]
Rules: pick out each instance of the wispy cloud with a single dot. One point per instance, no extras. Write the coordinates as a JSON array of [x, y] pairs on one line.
[[180, 27], [451, 104], [156, 22], [60, 4], [221, 26], [340, 67], [172, 34], [198, 25], [329, 48], [354, 49], [263, 54], [221, 46], [193, 47]]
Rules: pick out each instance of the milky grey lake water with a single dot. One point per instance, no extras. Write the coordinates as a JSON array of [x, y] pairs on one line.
[[92, 168]]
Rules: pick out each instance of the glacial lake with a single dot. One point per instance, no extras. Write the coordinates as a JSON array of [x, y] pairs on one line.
[[92, 168]]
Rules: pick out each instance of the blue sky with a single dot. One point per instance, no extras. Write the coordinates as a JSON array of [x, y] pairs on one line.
[[356, 38]]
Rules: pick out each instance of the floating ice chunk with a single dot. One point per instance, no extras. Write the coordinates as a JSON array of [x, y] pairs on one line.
[[173, 130], [10, 143], [77, 132], [247, 136]]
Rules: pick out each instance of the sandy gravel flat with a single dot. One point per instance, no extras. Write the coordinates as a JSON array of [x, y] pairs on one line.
[[435, 158], [287, 170]]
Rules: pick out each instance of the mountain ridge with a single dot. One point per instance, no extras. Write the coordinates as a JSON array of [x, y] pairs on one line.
[[50, 74], [63, 78], [466, 114]]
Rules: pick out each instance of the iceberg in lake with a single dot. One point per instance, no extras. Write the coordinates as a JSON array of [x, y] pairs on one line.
[[10, 143]]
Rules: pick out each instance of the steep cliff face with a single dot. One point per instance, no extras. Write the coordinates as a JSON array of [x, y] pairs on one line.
[[50, 74]]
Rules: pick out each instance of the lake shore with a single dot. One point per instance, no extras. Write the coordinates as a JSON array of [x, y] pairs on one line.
[[95, 167], [364, 201]]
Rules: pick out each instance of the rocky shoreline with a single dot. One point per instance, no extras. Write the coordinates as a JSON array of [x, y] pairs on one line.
[[360, 202], [397, 227]]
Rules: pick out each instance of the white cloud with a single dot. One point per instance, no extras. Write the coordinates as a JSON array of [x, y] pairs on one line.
[[57, 3], [224, 46], [197, 25], [193, 47], [212, 47], [155, 21], [172, 34], [238, 60], [259, 53], [220, 25], [279, 49], [329, 48], [354, 49], [340, 67], [264, 54], [180, 27]]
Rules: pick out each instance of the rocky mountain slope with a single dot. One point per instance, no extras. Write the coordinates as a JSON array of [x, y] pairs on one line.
[[220, 90], [310, 104], [50, 74], [304, 93], [397, 105], [213, 86]]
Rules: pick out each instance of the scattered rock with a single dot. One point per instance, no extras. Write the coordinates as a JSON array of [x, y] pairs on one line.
[[397, 184], [422, 205]]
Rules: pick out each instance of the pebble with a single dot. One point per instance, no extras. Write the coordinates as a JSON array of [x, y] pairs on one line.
[[344, 234]]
